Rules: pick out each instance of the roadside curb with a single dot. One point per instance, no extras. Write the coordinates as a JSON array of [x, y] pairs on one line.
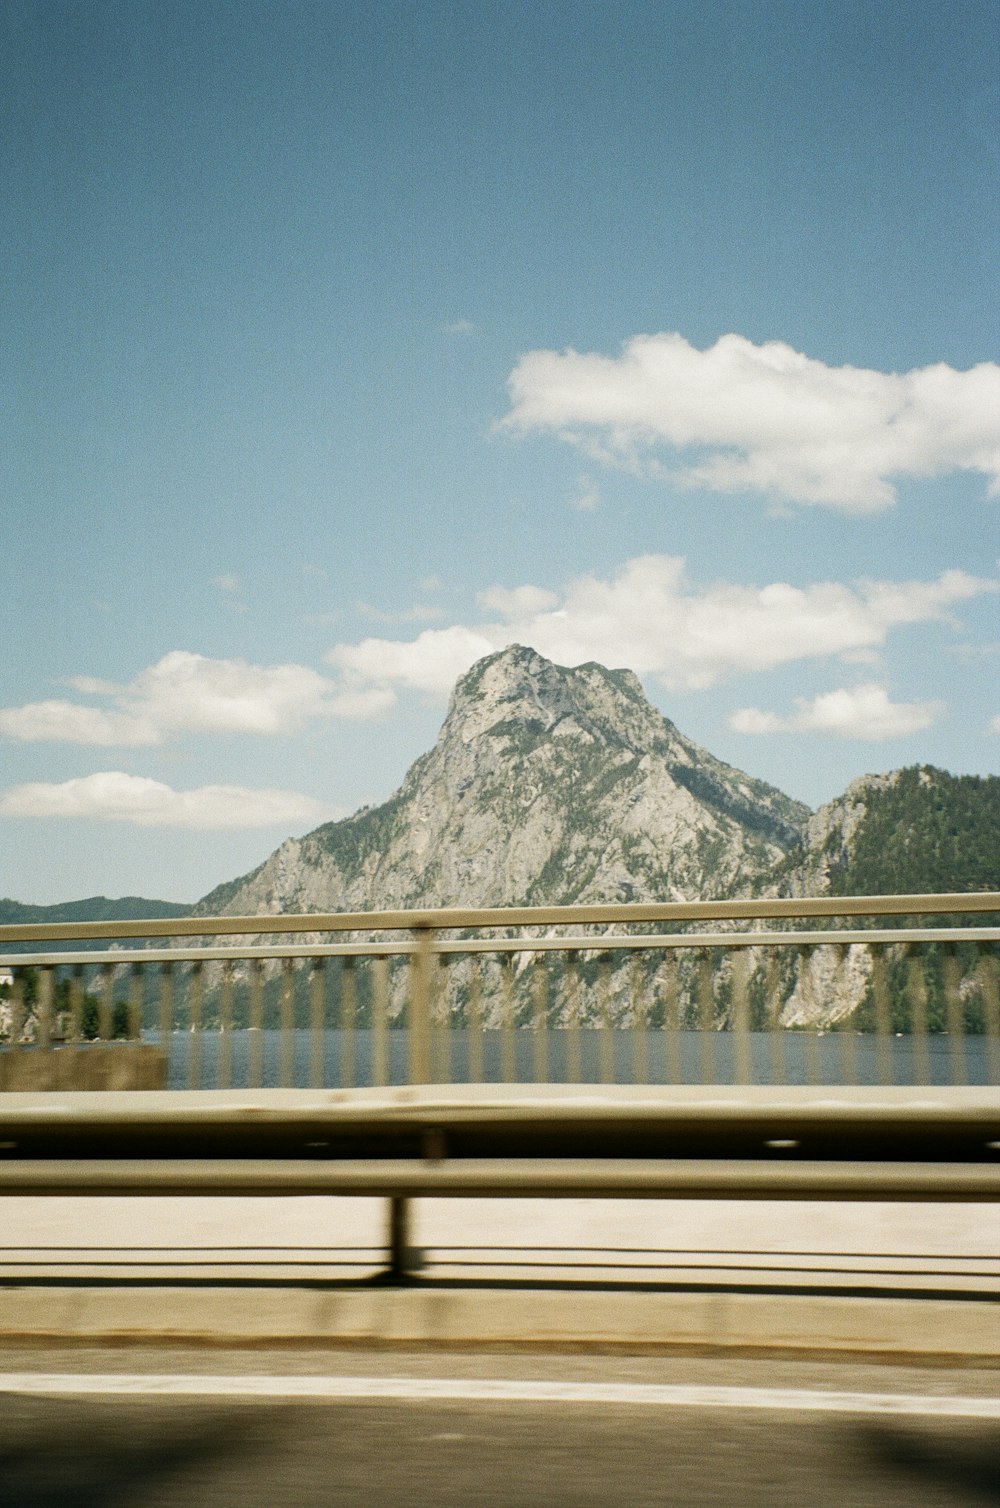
[[444, 1316]]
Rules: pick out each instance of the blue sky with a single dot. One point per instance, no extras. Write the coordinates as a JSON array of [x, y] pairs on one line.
[[345, 342]]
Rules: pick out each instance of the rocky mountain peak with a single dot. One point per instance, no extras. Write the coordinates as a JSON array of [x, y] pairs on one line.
[[547, 784], [517, 693]]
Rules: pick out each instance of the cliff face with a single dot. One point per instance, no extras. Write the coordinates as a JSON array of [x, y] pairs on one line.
[[546, 785]]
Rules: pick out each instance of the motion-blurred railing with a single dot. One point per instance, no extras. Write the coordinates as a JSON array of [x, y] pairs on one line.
[[775, 991]]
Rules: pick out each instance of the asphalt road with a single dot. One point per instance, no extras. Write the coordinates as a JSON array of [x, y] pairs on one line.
[[755, 1447]]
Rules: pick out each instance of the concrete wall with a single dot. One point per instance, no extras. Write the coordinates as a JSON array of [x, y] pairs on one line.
[[119, 1065]]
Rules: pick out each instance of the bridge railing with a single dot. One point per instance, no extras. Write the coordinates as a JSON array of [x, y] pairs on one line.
[[831, 990]]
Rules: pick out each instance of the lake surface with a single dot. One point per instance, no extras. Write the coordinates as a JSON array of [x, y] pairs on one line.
[[688, 1057]]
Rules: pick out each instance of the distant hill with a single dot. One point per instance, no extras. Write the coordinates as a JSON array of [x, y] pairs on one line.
[[917, 830], [96, 908]]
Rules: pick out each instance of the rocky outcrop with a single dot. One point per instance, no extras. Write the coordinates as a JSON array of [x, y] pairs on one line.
[[546, 785]]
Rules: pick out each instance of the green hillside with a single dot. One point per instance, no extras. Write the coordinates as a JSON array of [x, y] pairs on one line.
[[928, 832], [96, 908]]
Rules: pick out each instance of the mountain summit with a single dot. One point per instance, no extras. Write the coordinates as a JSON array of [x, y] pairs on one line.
[[547, 785]]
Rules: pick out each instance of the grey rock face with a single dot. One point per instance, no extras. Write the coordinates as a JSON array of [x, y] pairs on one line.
[[546, 785]]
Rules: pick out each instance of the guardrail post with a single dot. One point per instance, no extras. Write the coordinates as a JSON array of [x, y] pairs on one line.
[[398, 1268]]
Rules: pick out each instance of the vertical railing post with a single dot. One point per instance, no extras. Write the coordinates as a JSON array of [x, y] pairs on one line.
[[640, 1018], [166, 1006], [226, 1027], [380, 1021], [741, 1015], [255, 1066], [706, 1017], [989, 975], [574, 1055], [287, 1023], [348, 1023], [106, 1008], [46, 1002], [916, 989], [672, 1017], [74, 1027], [508, 1041], [196, 998], [955, 1012], [420, 1006], [883, 1017], [17, 1013], [774, 1004], [848, 1046], [317, 1022], [810, 1033], [474, 1024], [540, 1020], [607, 1041], [441, 1023], [136, 992]]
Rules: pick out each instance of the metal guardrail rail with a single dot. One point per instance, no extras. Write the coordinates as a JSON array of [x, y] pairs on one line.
[[490, 1141]]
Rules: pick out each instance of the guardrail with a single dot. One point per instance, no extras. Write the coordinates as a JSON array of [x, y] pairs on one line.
[[496, 1141], [697, 992]]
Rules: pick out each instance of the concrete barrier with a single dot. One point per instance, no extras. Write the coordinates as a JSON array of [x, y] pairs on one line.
[[448, 1317], [113, 1065]]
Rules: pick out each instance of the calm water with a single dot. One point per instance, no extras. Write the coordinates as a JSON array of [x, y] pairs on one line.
[[698, 1058]]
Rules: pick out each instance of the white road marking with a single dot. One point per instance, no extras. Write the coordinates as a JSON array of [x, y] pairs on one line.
[[486, 1390]]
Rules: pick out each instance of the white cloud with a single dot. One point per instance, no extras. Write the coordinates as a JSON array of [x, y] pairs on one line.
[[69, 722], [114, 796], [227, 582], [862, 712], [186, 692], [995, 724], [458, 327], [650, 619], [516, 603], [740, 417], [752, 720], [190, 691], [431, 662]]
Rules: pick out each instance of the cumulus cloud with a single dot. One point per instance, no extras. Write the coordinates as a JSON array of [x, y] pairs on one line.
[[742, 417], [69, 722], [649, 618], [227, 582], [995, 724], [516, 603], [112, 795], [431, 662], [192, 693], [861, 712]]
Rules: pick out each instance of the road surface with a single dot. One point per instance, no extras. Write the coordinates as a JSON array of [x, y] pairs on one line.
[[452, 1430]]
